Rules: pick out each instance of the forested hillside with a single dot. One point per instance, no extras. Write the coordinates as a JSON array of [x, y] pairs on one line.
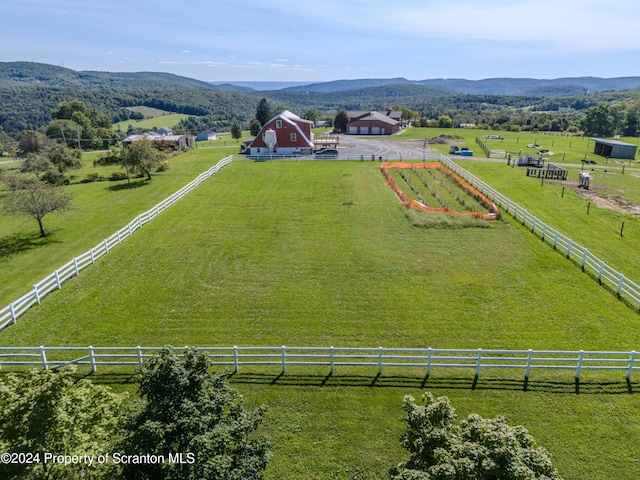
[[29, 92]]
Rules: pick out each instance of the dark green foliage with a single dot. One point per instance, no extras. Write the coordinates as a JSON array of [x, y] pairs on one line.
[[63, 158], [477, 448], [190, 410], [340, 121], [51, 412], [236, 131], [263, 112], [254, 127], [142, 157], [30, 141]]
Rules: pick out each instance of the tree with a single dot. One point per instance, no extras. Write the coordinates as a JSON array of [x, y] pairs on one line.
[[340, 121], [597, 121], [30, 141], [254, 127], [445, 121], [63, 157], [191, 410], [142, 157], [477, 448], [312, 115], [80, 126], [52, 412], [35, 198], [263, 113], [236, 131]]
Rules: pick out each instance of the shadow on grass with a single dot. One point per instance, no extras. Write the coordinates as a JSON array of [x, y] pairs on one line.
[[18, 243], [128, 186], [459, 383]]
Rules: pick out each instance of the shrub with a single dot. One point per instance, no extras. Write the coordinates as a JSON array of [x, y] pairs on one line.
[[162, 166], [115, 176], [53, 177], [94, 177]]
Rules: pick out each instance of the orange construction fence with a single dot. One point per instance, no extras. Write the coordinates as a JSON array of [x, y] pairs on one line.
[[415, 205]]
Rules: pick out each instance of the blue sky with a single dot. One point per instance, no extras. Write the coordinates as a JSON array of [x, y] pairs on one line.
[[296, 40]]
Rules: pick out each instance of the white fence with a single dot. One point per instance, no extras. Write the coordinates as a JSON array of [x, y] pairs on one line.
[[11, 312], [624, 288], [330, 358]]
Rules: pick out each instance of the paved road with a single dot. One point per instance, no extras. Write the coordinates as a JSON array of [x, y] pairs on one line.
[[359, 147]]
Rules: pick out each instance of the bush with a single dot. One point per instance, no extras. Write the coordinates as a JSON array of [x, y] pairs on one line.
[[111, 158], [54, 178], [115, 176], [162, 166], [94, 177]]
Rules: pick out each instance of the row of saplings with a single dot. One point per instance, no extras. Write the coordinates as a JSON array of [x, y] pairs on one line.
[[54, 426]]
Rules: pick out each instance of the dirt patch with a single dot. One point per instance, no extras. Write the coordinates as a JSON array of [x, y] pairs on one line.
[[612, 202]]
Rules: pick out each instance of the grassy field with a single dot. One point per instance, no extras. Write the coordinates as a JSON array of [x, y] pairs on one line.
[[167, 120], [322, 253], [565, 149]]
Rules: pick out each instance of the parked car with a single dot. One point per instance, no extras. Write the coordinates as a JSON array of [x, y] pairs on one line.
[[327, 153]]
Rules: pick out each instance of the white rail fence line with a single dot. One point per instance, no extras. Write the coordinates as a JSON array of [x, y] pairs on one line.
[[54, 281], [623, 287], [425, 359]]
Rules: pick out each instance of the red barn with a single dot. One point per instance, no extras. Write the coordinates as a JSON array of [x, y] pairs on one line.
[[290, 135]]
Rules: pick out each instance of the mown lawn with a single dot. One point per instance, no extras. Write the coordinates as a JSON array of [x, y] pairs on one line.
[[322, 253]]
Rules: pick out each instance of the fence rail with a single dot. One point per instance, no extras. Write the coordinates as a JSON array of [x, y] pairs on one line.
[[624, 288], [54, 281], [330, 358]]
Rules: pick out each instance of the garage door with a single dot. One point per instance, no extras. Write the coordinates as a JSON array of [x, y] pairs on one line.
[[375, 130], [353, 130], [364, 130]]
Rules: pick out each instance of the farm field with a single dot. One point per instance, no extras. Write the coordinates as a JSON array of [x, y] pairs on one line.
[[565, 149], [166, 120], [322, 253]]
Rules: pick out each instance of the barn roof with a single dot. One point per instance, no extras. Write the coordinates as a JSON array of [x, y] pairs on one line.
[[613, 142]]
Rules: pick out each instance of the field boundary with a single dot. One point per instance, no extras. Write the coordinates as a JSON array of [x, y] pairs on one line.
[[425, 359], [616, 282], [54, 281]]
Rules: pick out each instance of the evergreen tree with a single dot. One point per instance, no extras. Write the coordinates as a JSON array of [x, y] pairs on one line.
[[340, 121], [263, 113]]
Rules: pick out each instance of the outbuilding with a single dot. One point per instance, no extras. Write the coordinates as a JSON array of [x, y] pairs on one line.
[[614, 148], [373, 123]]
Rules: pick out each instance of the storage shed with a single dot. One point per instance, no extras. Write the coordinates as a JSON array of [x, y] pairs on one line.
[[614, 148]]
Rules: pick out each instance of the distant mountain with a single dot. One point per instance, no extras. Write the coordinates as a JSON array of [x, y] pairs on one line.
[[490, 86], [41, 74], [259, 86], [341, 85], [532, 86]]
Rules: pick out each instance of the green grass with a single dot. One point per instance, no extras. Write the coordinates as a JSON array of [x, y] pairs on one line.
[[168, 120], [99, 210], [599, 230], [322, 253], [566, 149]]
